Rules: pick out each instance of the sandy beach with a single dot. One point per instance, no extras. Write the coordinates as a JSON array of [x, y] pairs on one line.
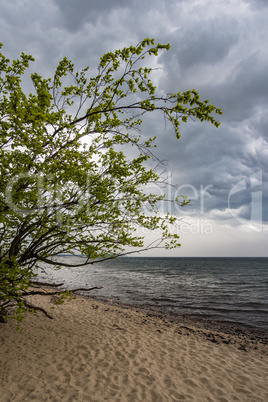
[[92, 351]]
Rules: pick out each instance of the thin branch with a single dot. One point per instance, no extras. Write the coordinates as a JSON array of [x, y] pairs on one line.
[[45, 284], [58, 292], [35, 308]]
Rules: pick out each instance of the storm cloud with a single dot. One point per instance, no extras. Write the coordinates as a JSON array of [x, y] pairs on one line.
[[218, 48]]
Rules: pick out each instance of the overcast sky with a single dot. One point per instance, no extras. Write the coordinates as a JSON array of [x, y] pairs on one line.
[[218, 47]]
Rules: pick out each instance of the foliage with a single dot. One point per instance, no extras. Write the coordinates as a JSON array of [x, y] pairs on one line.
[[75, 166]]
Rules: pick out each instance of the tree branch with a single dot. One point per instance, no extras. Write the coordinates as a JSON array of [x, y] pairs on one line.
[[35, 308]]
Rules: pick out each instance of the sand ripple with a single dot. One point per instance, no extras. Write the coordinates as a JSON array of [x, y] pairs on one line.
[[97, 352]]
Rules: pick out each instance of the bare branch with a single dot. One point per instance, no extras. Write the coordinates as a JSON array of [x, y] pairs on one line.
[[58, 292], [36, 308]]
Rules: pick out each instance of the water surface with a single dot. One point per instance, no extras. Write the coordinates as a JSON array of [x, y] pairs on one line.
[[233, 290]]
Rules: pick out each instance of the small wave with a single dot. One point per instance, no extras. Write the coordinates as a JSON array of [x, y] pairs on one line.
[[164, 300], [228, 289]]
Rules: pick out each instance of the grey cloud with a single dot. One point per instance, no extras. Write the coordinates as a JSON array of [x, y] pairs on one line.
[[245, 89], [207, 42], [257, 3], [77, 13], [218, 48]]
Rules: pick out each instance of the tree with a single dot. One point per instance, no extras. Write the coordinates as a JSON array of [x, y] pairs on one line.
[[75, 166]]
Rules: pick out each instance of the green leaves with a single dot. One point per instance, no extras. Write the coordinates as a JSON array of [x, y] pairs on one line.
[[75, 170]]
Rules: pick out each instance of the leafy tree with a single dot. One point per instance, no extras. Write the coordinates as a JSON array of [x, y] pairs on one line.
[[75, 166]]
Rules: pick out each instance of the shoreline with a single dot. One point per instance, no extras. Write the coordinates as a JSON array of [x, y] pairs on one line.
[[211, 290], [96, 351], [216, 331], [203, 323]]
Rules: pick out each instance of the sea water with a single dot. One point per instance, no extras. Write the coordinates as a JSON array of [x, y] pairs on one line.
[[233, 290]]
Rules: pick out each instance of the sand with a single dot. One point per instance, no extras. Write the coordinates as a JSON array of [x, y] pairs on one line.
[[92, 351]]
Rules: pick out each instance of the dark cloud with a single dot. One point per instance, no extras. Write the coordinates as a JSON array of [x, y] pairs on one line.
[[80, 12], [245, 90], [207, 42], [257, 3]]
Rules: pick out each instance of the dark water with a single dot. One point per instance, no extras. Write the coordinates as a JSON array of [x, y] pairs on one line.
[[233, 290]]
